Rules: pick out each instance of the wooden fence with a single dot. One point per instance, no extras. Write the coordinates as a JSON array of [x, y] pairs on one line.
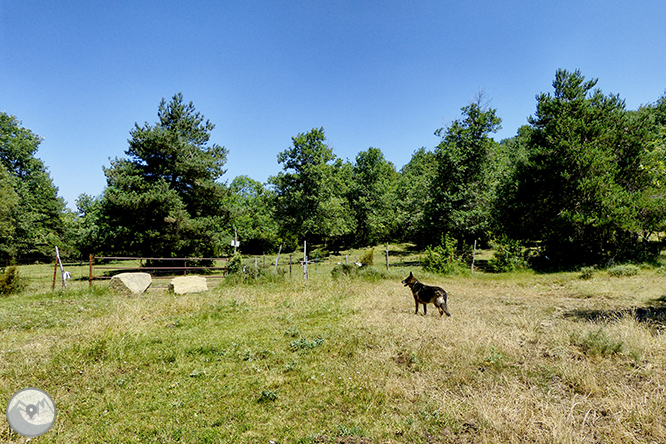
[[154, 270]]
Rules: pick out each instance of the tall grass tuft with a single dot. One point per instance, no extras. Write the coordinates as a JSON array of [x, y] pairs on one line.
[[597, 343]]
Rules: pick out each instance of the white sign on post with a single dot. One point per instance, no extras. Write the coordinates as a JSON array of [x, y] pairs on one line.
[[65, 274]]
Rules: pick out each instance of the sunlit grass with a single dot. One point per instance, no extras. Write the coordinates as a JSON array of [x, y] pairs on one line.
[[524, 358]]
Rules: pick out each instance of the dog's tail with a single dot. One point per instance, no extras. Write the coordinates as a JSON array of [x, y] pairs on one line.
[[441, 302]]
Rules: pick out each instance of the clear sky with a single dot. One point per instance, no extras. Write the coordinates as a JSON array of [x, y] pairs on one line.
[[384, 74]]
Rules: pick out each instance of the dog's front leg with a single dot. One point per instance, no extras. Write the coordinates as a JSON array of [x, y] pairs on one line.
[[416, 302], [425, 309]]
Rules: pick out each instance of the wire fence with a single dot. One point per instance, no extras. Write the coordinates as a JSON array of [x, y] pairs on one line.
[[183, 265]]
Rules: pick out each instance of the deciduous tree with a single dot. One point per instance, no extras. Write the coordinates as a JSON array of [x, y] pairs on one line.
[[310, 193], [373, 197], [460, 200], [413, 197], [250, 204], [32, 208]]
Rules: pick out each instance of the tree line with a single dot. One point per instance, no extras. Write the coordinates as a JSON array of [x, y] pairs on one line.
[[581, 183]]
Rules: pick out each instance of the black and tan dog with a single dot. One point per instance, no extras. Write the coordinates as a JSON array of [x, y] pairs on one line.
[[426, 294]]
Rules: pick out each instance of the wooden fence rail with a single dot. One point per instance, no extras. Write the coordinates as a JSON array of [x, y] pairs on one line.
[[143, 268]]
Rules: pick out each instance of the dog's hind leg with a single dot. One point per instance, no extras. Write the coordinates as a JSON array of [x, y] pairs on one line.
[[425, 309], [442, 306]]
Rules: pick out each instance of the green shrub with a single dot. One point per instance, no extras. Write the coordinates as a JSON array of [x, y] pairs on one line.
[[11, 282], [586, 272], [372, 274], [367, 258], [441, 258], [508, 255], [235, 264], [623, 270], [344, 270]]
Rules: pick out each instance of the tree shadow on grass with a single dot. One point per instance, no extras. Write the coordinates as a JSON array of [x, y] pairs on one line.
[[653, 314]]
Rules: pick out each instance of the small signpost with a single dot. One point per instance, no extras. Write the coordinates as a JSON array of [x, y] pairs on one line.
[[65, 274], [235, 243]]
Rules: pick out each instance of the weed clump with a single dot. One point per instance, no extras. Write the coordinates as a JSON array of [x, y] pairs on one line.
[[305, 344], [344, 270], [248, 273], [11, 282], [354, 271], [597, 343], [623, 270], [586, 273], [268, 396]]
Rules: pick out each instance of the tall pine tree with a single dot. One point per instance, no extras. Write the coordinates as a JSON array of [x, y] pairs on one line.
[[166, 198]]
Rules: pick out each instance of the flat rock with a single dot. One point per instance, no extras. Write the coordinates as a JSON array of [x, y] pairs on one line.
[[188, 284], [132, 283]]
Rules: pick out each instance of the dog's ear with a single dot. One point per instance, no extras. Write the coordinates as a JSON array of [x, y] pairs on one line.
[[410, 274]]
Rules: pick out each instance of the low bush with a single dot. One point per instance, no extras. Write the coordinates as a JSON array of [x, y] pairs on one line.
[[586, 272], [508, 255], [442, 258], [344, 270], [235, 264], [623, 270], [367, 258], [354, 271], [10, 281]]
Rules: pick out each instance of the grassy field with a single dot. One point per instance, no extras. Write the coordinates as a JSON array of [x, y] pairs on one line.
[[525, 357]]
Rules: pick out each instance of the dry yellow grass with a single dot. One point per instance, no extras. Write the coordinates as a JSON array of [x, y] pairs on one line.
[[524, 358]]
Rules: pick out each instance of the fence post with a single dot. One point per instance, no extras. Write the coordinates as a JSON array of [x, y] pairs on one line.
[[277, 259], [473, 254], [387, 257], [90, 271], [305, 260], [55, 272]]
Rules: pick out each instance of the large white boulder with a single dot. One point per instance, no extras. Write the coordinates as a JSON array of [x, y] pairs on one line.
[[188, 284], [132, 283]]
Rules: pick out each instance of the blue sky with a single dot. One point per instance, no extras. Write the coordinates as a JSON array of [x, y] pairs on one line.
[[382, 74]]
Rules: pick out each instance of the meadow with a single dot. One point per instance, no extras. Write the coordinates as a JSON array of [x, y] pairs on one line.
[[525, 357]]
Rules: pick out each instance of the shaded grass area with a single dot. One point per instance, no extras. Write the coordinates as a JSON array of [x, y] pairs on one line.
[[524, 358]]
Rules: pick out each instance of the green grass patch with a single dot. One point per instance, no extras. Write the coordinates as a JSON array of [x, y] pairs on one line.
[[344, 360]]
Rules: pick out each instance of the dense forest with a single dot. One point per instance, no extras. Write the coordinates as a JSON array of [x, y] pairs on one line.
[[583, 183]]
